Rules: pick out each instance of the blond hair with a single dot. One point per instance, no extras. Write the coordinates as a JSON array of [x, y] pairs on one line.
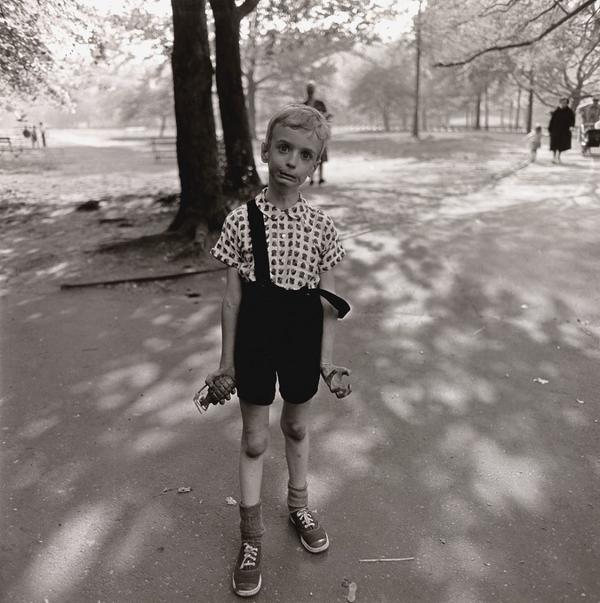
[[300, 117]]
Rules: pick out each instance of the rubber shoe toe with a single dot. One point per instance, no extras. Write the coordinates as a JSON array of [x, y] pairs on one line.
[[312, 535], [247, 579]]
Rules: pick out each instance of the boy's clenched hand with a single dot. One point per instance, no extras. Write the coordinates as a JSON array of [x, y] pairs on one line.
[[222, 383], [334, 377]]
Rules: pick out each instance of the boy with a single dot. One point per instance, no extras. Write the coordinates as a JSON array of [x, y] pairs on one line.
[[280, 252], [534, 139]]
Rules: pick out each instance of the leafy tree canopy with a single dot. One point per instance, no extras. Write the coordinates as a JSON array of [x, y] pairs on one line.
[[473, 28], [38, 38]]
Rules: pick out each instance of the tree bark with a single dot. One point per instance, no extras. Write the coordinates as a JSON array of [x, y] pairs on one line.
[[486, 108], [415, 127], [194, 119], [240, 175], [251, 104], [385, 116], [478, 111], [518, 112], [529, 125], [251, 84]]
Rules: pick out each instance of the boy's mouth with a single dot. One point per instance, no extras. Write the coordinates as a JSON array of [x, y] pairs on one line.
[[287, 176]]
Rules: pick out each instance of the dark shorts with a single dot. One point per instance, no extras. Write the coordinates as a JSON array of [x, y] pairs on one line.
[[278, 337]]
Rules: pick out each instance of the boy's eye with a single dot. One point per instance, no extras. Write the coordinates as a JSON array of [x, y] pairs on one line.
[[283, 146], [306, 155]]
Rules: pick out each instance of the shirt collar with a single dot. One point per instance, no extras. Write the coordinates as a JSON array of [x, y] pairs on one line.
[[297, 211]]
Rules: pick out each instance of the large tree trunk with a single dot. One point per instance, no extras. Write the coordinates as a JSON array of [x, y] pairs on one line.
[[518, 112], [478, 111], [241, 175], [251, 104], [196, 136], [486, 108], [385, 116], [251, 84], [529, 125], [415, 126]]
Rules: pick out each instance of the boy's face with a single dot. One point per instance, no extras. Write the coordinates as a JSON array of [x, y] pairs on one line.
[[292, 156]]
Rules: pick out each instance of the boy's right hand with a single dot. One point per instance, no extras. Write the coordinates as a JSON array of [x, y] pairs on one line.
[[222, 383], [333, 376]]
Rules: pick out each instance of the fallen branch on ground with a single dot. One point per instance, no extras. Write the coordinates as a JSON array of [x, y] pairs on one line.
[[384, 559], [138, 279]]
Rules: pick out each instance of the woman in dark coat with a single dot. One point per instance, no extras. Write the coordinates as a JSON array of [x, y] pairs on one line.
[[561, 122]]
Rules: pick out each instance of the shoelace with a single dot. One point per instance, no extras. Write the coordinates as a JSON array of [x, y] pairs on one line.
[[250, 554], [306, 518]]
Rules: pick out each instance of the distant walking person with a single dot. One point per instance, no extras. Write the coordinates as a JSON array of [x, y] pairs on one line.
[[319, 105], [534, 139], [561, 122], [34, 137], [43, 134]]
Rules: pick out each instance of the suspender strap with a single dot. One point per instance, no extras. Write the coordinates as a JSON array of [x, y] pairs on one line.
[[259, 243], [261, 259], [339, 303]]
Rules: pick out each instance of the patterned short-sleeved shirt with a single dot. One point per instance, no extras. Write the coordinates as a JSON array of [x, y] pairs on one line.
[[302, 242]]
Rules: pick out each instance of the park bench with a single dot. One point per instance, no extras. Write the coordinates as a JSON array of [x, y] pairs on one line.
[[164, 147], [5, 144]]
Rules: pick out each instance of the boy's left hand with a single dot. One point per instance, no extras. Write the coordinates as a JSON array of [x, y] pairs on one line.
[[334, 377]]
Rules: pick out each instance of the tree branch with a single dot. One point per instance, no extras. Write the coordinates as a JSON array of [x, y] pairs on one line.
[[498, 7], [499, 47], [244, 9], [540, 15]]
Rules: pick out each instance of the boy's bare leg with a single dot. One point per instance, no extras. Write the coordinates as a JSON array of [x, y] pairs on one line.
[[294, 424], [247, 578], [255, 440]]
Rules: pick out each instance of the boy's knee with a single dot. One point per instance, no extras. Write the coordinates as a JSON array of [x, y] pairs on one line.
[[256, 443], [294, 430]]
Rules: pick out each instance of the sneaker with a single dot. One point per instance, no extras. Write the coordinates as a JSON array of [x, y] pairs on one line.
[[312, 536], [321, 181], [246, 575]]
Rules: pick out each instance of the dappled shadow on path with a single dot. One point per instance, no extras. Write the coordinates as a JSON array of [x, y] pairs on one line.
[[472, 466], [448, 450]]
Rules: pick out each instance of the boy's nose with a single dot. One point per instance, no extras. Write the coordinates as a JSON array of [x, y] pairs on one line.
[[292, 158]]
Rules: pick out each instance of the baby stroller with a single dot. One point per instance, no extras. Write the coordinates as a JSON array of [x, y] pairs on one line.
[[589, 132]]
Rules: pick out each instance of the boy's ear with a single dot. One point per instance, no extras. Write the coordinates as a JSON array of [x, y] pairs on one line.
[[264, 152]]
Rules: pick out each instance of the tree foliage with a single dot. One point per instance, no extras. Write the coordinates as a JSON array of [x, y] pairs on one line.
[[473, 28], [287, 43], [383, 87], [549, 48], [567, 63], [36, 41]]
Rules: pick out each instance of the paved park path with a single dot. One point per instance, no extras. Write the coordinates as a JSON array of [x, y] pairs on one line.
[[470, 444]]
